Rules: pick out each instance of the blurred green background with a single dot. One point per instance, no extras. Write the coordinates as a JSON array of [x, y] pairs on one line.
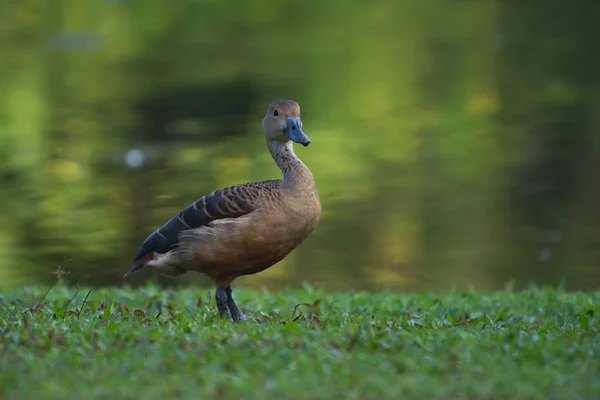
[[454, 142]]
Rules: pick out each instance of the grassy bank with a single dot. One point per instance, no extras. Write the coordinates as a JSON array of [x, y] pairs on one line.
[[299, 344]]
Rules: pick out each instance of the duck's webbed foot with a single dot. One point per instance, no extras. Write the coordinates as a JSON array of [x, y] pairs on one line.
[[235, 311], [226, 305]]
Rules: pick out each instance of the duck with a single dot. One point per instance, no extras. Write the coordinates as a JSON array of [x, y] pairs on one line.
[[246, 228]]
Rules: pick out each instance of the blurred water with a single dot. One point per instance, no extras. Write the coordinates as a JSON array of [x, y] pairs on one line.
[[453, 144]]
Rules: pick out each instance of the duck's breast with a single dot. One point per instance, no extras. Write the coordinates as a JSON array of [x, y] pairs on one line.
[[247, 244]]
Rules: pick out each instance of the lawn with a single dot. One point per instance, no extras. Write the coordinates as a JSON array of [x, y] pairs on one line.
[[149, 343]]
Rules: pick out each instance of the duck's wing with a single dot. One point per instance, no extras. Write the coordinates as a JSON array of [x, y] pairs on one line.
[[230, 202]]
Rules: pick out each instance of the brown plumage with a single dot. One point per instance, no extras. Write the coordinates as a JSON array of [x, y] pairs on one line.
[[246, 228]]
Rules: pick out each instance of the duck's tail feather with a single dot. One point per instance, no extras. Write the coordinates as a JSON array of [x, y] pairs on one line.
[[140, 262], [133, 269]]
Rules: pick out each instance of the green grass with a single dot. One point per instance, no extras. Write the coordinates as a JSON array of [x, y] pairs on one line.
[[157, 344]]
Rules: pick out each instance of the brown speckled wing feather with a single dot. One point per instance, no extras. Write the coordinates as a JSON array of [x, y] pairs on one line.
[[231, 202]]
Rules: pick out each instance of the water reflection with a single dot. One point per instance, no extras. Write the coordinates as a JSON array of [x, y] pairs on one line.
[[451, 144]]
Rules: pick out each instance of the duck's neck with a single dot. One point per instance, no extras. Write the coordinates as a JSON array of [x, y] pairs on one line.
[[295, 173]]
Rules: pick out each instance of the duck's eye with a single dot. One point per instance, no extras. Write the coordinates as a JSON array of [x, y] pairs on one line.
[[275, 113]]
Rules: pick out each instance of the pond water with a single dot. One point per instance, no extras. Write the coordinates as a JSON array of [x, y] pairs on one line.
[[453, 144]]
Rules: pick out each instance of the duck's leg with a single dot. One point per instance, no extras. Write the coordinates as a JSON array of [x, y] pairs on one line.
[[222, 298], [235, 311]]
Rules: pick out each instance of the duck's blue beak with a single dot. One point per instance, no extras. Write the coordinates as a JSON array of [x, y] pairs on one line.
[[293, 130]]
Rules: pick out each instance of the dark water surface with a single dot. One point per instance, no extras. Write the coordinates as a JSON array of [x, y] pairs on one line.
[[454, 143]]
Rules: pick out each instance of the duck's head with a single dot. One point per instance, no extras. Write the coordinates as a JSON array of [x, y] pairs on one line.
[[282, 122]]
